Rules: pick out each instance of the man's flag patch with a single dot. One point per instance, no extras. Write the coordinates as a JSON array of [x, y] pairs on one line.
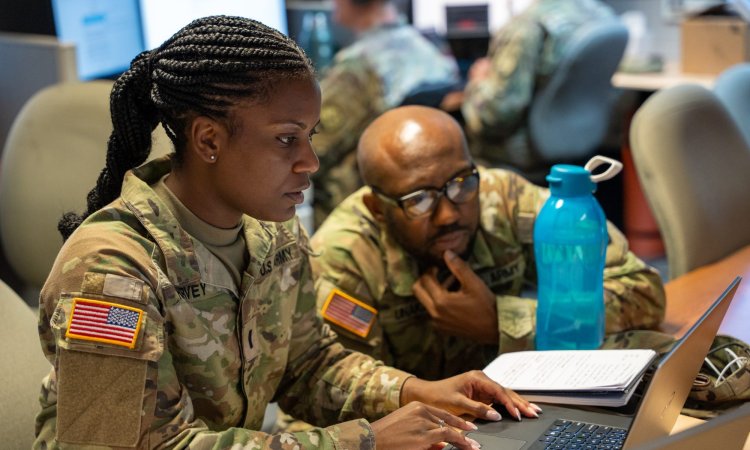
[[349, 313]]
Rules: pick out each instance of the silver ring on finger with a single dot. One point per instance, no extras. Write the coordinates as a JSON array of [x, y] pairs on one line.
[[441, 423]]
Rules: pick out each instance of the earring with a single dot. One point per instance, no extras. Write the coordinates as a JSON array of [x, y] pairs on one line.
[[213, 157]]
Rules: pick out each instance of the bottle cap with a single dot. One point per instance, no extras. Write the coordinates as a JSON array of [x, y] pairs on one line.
[[566, 180], [569, 181]]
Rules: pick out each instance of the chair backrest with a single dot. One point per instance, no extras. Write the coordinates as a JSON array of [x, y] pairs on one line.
[[29, 63], [693, 165], [733, 88], [569, 116], [55, 151], [24, 367]]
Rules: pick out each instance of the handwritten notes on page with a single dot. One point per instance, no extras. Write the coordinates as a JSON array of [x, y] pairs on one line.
[[570, 370]]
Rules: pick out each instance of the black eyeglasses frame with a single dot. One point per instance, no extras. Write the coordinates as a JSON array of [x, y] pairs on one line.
[[441, 192]]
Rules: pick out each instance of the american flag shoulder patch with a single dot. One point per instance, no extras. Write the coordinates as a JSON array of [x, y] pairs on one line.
[[99, 321], [349, 313]]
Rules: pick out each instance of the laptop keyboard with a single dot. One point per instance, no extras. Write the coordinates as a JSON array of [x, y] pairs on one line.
[[568, 434]]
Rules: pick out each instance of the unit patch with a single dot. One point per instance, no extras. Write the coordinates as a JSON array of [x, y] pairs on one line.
[[98, 321], [349, 313]]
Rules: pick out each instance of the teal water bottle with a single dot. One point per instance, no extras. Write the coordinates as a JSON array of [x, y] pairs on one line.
[[570, 242]]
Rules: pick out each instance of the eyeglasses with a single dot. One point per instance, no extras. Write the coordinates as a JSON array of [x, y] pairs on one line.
[[459, 189]]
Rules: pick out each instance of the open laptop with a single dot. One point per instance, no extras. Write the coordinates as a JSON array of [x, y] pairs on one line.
[[727, 432], [649, 415]]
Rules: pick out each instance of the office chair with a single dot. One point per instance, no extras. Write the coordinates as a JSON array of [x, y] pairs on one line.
[[569, 116], [30, 62], [733, 88], [24, 366], [692, 162], [54, 153]]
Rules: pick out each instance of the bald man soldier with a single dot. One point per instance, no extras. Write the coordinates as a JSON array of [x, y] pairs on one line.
[[424, 267]]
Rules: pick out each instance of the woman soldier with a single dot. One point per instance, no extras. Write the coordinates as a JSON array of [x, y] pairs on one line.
[[181, 303]]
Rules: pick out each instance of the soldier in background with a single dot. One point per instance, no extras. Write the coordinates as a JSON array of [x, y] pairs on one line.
[[429, 260], [182, 300], [521, 58], [388, 60]]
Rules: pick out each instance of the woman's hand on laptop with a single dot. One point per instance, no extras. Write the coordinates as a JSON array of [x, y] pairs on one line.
[[421, 427], [469, 394]]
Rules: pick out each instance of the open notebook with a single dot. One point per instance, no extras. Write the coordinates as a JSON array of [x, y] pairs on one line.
[[574, 377]]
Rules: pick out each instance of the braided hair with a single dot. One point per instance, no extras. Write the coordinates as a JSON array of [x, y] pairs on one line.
[[204, 69]]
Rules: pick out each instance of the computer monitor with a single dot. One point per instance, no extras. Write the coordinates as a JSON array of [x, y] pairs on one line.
[[106, 33], [162, 18], [464, 18]]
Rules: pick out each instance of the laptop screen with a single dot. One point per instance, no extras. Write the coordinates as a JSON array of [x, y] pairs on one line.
[[671, 383]]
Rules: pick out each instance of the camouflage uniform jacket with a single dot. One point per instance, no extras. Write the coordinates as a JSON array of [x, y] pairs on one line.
[[358, 257], [523, 56], [372, 75], [205, 359]]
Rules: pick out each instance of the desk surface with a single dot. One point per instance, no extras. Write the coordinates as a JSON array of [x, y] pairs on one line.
[[690, 295], [670, 76]]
